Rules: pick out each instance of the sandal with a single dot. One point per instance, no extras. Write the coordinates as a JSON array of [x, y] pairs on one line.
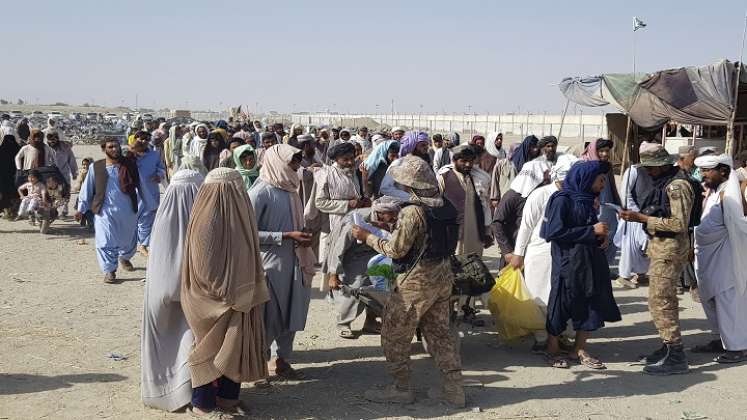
[[347, 333], [216, 414], [732, 357], [285, 371], [713, 346], [589, 361], [557, 361]]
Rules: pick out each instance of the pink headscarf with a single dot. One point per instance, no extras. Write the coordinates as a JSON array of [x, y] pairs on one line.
[[276, 172], [591, 152]]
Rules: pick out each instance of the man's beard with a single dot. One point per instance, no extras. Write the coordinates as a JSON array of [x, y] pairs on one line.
[[713, 185], [114, 158], [347, 171], [426, 157]]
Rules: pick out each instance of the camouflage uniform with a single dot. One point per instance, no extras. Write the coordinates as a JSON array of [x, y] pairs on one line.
[[421, 299], [668, 258]]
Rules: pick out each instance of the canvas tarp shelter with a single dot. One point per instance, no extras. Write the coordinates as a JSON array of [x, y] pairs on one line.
[[688, 95]]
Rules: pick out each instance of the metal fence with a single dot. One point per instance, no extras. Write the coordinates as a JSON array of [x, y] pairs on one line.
[[579, 127]]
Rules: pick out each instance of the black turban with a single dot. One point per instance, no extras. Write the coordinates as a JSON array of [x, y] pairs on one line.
[[544, 141], [340, 149], [602, 143]]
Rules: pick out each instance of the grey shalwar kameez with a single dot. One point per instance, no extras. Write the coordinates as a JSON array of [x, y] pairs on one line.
[[349, 260], [286, 312]]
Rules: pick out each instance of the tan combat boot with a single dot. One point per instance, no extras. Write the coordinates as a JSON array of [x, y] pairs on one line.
[[391, 394], [451, 392]]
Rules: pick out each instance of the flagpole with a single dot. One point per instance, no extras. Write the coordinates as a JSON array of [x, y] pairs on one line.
[[629, 128]]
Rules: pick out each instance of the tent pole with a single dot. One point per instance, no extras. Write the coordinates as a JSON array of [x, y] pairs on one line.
[[562, 118], [626, 147], [729, 147]]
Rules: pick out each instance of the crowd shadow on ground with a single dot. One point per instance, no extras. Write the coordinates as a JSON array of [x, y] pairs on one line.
[[345, 374], [68, 229], [21, 383], [345, 381]]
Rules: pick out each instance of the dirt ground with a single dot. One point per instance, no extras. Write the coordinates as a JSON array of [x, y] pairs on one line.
[[59, 324]]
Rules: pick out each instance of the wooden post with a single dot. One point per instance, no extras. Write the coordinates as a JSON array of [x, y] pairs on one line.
[[626, 147], [729, 147]]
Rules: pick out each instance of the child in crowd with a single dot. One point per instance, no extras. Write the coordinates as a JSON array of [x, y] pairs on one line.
[[87, 219], [55, 199], [33, 195], [81, 175]]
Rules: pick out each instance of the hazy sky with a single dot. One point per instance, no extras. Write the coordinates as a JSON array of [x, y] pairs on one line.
[[497, 56]]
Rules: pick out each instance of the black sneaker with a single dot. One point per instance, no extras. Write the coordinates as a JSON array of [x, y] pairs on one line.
[[655, 356], [674, 363], [110, 278]]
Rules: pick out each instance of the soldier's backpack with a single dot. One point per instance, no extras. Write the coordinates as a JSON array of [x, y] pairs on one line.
[[471, 276]]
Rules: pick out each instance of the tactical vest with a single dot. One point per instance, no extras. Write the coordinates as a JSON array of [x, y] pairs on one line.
[[442, 235]]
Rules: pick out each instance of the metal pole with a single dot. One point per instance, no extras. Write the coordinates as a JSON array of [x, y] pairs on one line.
[[562, 118]]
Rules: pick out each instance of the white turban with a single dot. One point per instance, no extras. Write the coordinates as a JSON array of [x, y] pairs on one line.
[[562, 166], [711, 161]]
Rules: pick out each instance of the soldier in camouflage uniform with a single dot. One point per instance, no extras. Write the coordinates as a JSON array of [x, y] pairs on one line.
[[422, 296], [668, 249]]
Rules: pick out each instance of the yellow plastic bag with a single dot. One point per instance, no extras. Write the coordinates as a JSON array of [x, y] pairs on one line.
[[515, 311]]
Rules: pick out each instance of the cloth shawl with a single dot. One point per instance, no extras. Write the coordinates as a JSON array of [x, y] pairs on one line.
[[167, 339], [530, 177], [559, 171], [610, 193], [379, 155], [522, 153], [276, 172], [251, 174], [223, 283], [197, 144], [578, 182], [734, 219], [491, 148]]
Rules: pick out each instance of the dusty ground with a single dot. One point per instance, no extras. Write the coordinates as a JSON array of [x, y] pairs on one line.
[[59, 322]]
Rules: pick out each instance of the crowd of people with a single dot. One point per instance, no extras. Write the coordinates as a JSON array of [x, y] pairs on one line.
[[251, 214]]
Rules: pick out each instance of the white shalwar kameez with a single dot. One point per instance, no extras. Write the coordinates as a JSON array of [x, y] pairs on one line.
[[719, 281], [535, 250], [630, 237]]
